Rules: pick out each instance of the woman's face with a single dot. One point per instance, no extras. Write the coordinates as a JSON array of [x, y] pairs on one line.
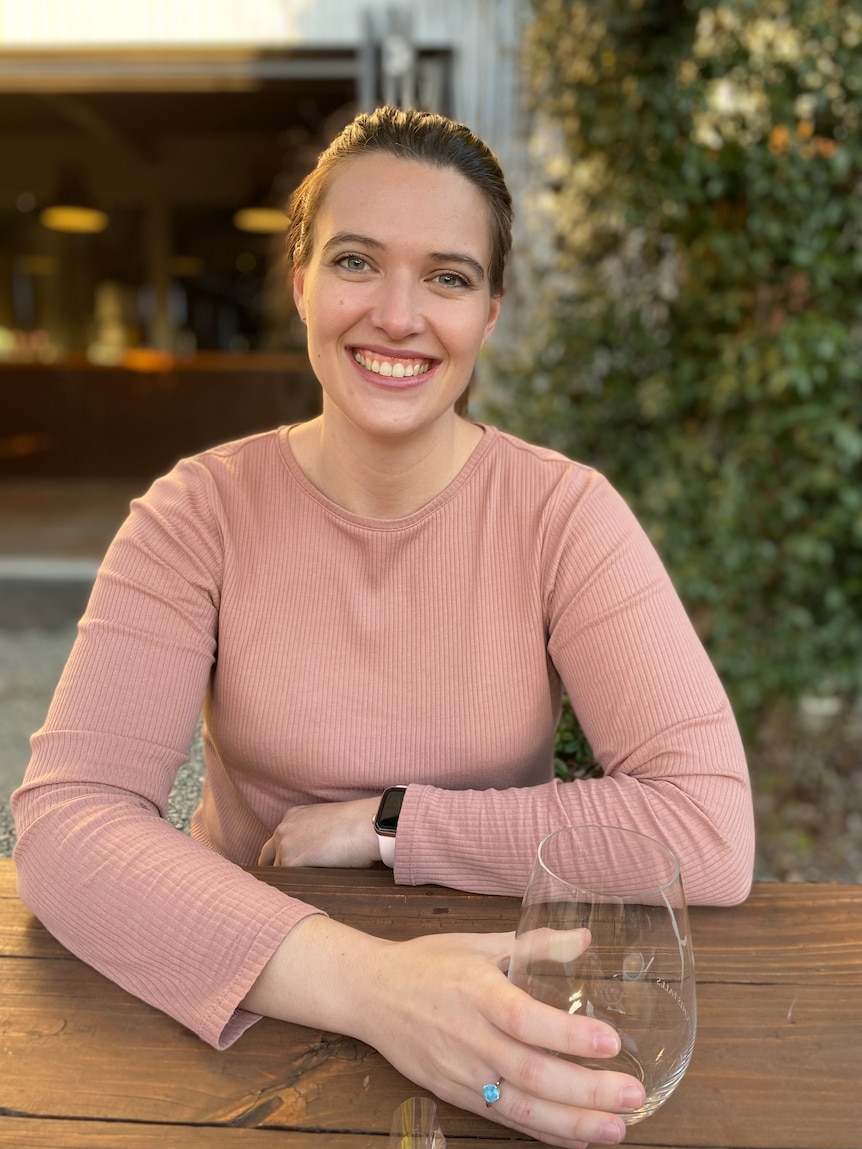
[[395, 292]]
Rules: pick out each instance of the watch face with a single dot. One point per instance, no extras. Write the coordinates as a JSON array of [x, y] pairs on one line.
[[386, 821]]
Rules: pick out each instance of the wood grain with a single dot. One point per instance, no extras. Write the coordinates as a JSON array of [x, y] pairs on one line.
[[73, 1045], [776, 1062], [21, 1133], [771, 938]]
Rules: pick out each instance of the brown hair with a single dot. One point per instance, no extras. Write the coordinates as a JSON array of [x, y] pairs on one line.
[[424, 137]]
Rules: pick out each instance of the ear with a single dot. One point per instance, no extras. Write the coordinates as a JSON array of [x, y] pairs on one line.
[[493, 315], [299, 292]]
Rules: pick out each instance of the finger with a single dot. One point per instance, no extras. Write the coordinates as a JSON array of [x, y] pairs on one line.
[[551, 945], [534, 1071], [548, 1027], [496, 946], [570, 1123], [555, 1124], [557, 1079], [267, 854], [537, 1077]]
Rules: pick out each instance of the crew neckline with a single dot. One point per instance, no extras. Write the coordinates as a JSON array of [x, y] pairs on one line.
[[448, 493]]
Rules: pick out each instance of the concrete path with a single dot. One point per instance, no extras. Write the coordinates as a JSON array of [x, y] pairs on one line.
[[53, 534], [31, 662]]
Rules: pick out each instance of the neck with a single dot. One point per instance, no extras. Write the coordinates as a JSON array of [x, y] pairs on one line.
[[382, 479]]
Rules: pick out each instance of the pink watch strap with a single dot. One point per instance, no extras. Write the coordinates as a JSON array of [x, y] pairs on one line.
[[386, 842]]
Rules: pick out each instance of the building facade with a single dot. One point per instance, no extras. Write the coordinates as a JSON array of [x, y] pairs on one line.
[[165, 121]]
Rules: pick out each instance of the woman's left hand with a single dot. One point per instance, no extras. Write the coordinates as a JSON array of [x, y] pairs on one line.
[[326, 834]]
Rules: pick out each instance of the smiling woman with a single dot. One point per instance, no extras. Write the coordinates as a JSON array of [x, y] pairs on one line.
[[396, 297], [445, 583]]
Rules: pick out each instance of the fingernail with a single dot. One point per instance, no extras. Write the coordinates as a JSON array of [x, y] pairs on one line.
[[607, 1042], [567, 945], [632, 1097], [612, 1133]]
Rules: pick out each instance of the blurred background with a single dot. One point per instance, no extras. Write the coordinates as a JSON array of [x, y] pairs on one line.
[[683, 308], [147, 150]]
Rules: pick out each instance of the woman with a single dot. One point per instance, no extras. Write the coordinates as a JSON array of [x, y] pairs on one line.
[[387, 595]]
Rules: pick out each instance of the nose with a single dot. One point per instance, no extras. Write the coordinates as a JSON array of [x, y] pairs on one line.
[[398, 306]]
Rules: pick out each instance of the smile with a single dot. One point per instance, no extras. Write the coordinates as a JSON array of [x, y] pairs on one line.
[[390, 367]]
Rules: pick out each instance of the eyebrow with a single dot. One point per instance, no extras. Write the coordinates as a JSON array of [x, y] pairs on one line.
[[459, 257], [351, 237]]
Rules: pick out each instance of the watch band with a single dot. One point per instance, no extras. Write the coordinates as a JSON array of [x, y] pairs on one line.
[[386, 843]]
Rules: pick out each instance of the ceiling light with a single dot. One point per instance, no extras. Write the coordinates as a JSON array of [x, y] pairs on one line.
[[263, 213], [73, 210], [73, 217], [262, 220]]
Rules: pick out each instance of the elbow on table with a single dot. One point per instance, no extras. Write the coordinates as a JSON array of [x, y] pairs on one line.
[[736, 883], [39, 873], [722, 876], [39, 888], [721, 862]]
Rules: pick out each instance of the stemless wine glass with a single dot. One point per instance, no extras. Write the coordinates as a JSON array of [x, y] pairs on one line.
[[636, 969], [415, 1125]]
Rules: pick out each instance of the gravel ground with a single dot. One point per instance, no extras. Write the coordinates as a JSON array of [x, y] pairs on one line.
[[807, 780]]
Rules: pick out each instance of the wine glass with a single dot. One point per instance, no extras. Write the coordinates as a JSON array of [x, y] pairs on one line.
[[635, 969], [415, 1125]]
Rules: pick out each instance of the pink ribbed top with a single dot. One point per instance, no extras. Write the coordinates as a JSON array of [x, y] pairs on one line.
[[335, 655]]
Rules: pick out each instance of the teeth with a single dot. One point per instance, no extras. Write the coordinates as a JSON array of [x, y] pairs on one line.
[[392, 370]]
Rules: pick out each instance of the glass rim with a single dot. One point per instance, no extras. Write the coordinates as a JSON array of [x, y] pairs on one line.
[[676, 874]]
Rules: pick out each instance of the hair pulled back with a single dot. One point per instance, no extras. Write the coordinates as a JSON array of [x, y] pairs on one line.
[[422, 137]]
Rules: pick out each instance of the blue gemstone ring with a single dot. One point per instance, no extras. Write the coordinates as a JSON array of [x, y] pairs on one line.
[[491, 1092]]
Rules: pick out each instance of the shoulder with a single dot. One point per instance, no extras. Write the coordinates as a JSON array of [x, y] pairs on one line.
[[580, 518], [236, 469], [520, 456], [542, 475], [239, 459], [206, 498]]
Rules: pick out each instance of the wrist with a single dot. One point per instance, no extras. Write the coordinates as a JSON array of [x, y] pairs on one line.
[[318, 976], [386, 822]]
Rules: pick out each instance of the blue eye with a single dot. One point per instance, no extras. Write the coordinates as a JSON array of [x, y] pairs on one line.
[[352, 263], [452, 279]]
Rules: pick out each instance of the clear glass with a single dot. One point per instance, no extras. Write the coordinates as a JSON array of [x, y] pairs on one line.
[[636, 968], [415, 1125]]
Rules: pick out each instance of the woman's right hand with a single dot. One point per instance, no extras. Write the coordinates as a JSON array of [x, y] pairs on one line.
[[441, 1010]]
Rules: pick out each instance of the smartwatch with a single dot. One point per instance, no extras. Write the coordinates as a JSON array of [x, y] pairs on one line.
[[386, 822]]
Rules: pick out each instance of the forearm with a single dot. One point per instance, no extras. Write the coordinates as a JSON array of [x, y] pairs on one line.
[[321, 975], [485, 841], [162, 916]]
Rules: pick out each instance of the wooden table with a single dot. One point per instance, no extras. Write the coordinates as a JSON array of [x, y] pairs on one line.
[[777, 1063]]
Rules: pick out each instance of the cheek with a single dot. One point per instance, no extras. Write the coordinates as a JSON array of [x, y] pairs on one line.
[[472, 334], [335, 312]]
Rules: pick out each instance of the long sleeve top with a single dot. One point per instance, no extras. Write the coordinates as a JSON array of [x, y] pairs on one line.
[[335, 655]]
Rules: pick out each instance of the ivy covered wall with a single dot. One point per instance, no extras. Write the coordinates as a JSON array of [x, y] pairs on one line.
[[693, 327]]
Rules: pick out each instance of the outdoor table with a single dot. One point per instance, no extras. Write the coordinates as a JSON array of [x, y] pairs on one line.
[[777, 1061]]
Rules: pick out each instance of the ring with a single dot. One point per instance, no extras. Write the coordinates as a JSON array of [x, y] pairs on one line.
[[491, 1092]]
